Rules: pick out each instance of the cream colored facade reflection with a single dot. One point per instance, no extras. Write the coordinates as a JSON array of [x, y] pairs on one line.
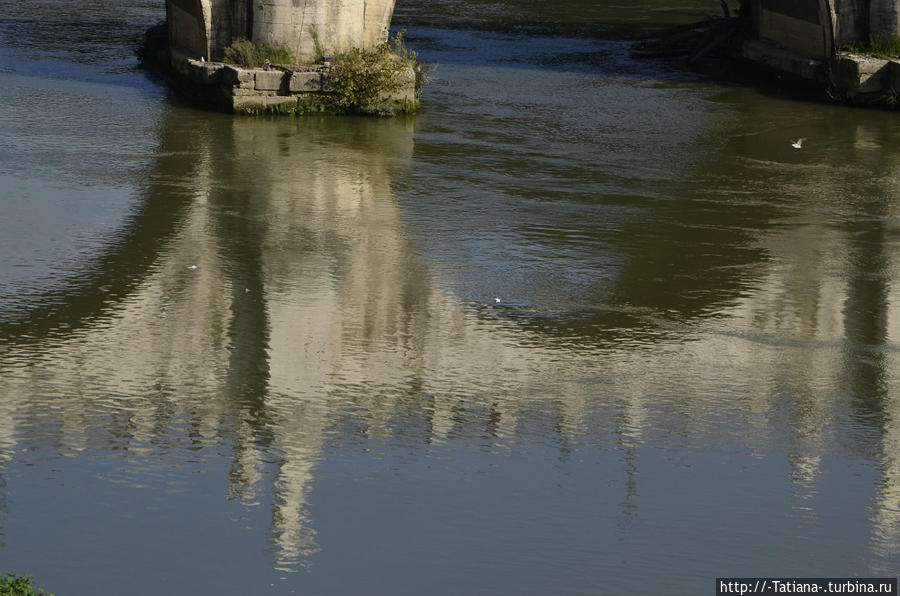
[[355, 323], [7, 425], [797, 328], [886, 514], [351, 316], [132, 360], [797, 305], [358, 319]]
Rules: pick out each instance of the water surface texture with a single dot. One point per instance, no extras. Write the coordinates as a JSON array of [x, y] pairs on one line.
[[587, 325]]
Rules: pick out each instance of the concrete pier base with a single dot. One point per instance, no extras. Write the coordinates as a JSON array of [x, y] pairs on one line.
[[276, 90], [273, 90], [808, 39]]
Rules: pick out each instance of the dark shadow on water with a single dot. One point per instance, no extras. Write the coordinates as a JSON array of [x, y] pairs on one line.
[[127, 260]]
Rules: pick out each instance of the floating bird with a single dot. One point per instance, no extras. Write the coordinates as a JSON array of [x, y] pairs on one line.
[[496, 300], [798, 144], [192, 267]]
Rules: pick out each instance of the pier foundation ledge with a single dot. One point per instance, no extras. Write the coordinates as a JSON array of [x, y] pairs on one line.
[[187, 48], [848, 47], [277, 89]]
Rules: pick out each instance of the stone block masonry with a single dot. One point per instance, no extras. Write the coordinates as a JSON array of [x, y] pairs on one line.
[[270, 80], [305, 82], [867, 80], [261, 90]]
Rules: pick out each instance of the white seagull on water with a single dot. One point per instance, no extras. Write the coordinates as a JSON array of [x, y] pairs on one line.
[[798, 144]]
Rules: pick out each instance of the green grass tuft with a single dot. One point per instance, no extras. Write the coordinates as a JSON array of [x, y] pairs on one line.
[[876, 46], [243, 52]]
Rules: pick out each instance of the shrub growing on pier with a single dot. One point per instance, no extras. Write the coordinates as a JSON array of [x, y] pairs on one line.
[[363, 78], [357, 80], [12, 584]]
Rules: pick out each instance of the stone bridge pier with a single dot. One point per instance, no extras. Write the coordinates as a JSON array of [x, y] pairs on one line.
[[818, 28], [813, 39], [206, 27]]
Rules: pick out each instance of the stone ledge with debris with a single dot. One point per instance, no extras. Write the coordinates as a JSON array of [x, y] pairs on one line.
[[271, 89], [848, 77], [791, 39], [866, 80]]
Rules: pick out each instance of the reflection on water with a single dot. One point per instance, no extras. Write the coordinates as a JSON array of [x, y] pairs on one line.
[[287, 297], [821, 319], [583, 326]]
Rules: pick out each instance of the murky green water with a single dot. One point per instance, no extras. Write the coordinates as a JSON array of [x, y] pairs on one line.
[[586, 325]]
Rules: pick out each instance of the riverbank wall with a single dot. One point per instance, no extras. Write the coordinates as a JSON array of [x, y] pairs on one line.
[[837, 44]]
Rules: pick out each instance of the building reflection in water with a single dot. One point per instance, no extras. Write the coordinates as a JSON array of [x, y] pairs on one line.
[[821, 326], [288, 298]]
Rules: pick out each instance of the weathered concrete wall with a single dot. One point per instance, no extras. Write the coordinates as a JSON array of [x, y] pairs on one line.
[[187, 24], [340, 24], [816, 28], [803, 26], [862, 20], [804, 38], [226, 22], [850, 21], [207, 27], [884, 19]]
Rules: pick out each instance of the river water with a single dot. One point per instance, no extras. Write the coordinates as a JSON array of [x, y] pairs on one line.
[[586, 325]]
